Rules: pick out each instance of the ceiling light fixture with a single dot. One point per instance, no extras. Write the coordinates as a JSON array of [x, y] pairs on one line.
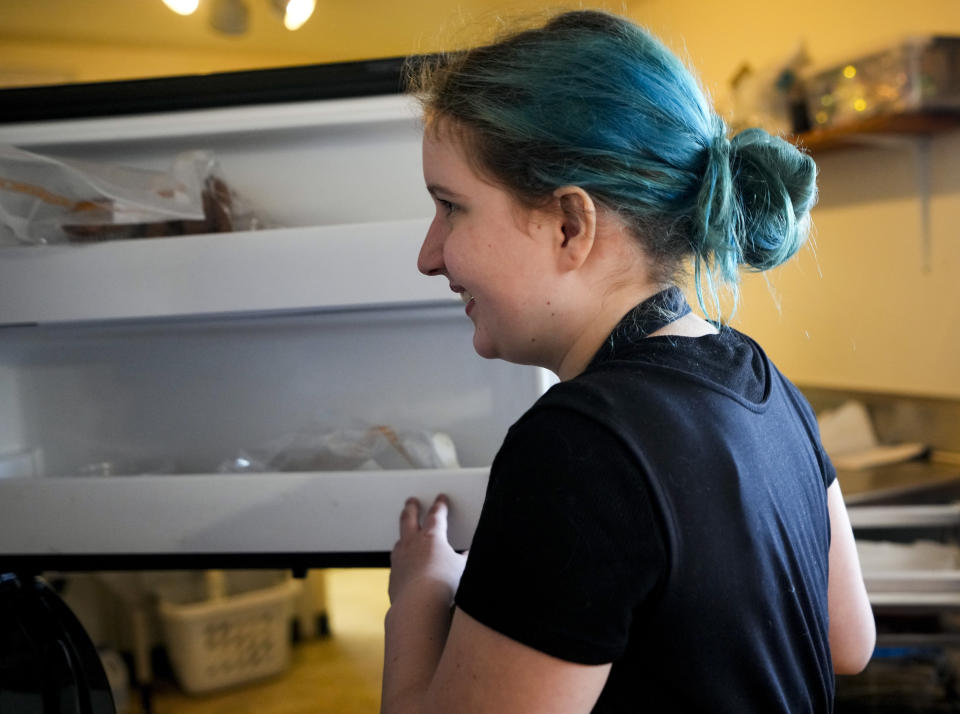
[[295, 12], [182, 7], [229, 16]]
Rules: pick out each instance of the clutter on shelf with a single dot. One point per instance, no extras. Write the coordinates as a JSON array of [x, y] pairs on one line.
[[911, 87], [772, 97], [920, 74]]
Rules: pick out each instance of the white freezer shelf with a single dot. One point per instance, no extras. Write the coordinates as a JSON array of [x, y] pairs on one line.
[[321, 267], [329, 512]]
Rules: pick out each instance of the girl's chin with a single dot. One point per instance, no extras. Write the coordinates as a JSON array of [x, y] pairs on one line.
[[483, 347], [488, 350]]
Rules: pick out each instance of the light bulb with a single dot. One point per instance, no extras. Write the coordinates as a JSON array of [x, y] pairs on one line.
[[182, 7], [297, 13]]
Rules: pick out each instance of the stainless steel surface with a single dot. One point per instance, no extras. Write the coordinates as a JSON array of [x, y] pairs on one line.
[[927, 516], [912, 482]]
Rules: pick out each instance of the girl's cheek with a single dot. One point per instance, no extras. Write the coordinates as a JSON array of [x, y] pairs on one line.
[[456, 249]]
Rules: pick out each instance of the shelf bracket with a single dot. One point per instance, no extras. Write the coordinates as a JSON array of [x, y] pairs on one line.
[[921, 162]]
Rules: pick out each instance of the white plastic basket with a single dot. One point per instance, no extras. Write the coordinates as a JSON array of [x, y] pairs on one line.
[[229, 639]]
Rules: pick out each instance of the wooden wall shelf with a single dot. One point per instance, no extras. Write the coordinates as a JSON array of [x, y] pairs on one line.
[[866, 132]]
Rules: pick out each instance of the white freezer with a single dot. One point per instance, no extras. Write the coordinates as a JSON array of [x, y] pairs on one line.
[[187, 350]]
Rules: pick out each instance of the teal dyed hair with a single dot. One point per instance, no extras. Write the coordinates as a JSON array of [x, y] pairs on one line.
[[591, 99]]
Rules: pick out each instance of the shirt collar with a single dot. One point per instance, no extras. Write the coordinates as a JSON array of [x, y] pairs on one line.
[[649, 316]]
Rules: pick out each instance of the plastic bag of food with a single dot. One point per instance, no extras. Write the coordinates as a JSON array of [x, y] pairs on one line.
[[347, 449], [55, 200]]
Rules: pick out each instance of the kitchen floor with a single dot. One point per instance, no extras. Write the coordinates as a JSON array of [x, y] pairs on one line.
[[339, 673]]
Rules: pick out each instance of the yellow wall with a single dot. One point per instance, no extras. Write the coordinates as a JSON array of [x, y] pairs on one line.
[[27, 63], [45, 41], [858, 308], [860, 311]]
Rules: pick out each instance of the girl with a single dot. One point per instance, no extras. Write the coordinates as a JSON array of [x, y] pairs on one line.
[[662, 531]]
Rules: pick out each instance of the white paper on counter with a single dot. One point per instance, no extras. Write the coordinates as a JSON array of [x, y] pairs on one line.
[[848, 436]]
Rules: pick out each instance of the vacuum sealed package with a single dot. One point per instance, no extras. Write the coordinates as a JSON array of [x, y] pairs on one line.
[[360, 448], [44, 199]]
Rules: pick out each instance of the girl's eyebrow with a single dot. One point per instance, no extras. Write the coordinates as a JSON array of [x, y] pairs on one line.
[[434, 188]]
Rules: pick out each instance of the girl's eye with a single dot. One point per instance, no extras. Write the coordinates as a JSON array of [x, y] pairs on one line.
[[447, 206]]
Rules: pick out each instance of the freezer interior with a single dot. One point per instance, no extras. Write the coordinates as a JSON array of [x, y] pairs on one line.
[[134, 372]]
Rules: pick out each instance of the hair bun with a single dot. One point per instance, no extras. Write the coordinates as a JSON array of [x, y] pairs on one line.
[[775, 185]]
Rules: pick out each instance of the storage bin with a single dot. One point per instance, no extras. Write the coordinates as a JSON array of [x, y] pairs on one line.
[[229, 639]]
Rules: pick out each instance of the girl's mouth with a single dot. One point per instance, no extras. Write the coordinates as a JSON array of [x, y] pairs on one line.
[[468, 299]]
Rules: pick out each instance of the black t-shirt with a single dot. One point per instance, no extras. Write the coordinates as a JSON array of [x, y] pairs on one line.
[[665, 511]]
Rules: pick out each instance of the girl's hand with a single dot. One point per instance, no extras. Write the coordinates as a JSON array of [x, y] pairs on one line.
[[422, 562]]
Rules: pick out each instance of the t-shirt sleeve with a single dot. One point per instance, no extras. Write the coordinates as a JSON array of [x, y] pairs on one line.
[[568, 547], [827, 469]]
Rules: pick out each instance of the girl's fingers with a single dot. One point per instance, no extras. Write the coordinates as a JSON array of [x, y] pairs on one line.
[[410, 517], [436, 518]]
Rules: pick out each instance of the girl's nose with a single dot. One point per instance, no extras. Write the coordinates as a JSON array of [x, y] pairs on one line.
[[430, 260]]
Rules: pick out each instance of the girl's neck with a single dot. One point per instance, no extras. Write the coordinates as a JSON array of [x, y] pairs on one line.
[[608, 315], [598, 326]]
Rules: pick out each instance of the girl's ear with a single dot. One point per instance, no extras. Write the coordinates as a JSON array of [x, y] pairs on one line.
[[577, 226]]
